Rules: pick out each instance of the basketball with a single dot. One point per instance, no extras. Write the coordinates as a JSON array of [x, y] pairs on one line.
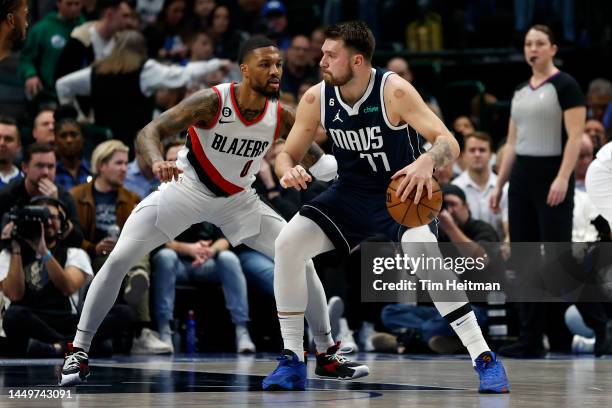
[[408, 214]]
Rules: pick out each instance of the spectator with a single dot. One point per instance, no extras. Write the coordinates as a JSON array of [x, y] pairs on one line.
[[226, 38], [42, 278], [317, 38], [167, 37], [477, 181], [201, 47], [93, 40], [13, 37], [38, 167], [149, 10], [72, 169], [102, 204], [122, 85], [463, 125], [43, 47], [596, 131], [599, 96], [44, 127], [248, 16], [400, 66], [585, 157], [201, 13], [140, 178], [10, 148], [275, 15], [297, 67]]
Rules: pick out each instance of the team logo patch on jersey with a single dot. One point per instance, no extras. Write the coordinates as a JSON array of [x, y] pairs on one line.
[[370, 109], [337, 117]]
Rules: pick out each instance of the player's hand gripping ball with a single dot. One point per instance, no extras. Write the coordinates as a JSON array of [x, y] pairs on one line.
[[409, 214]]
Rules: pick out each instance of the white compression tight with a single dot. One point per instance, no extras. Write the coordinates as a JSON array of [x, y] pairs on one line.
[[454, 306], [140, 236]]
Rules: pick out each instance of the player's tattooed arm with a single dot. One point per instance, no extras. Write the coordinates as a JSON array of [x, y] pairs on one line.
[[199, 108], [441, 151], [314, 152]]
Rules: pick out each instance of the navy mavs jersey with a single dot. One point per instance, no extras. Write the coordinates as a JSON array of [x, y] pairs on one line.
[[369, 150]]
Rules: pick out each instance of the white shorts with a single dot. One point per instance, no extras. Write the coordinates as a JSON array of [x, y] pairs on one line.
[[183, 203], [599, 187]]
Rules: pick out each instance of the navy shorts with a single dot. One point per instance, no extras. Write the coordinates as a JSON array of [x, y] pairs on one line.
[[348, 217]]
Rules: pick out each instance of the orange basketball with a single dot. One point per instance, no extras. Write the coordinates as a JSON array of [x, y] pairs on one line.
[[408, 214]]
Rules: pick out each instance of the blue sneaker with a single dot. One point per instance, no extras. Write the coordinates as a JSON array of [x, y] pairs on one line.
[[493, 379], [290, 375]]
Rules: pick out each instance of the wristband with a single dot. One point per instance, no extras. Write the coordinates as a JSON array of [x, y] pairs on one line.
[[45, 258], [325, 169]]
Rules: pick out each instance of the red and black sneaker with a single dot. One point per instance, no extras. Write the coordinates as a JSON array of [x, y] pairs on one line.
[[76, 367], [332, 364]]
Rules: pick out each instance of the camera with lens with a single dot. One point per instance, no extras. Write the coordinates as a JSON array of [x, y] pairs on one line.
[[27, 221]]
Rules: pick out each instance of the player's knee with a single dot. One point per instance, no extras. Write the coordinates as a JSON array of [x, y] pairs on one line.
[[284, 245]]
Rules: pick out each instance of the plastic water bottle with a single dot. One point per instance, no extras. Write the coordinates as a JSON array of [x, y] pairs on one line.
[[190, 335], [113, 232]]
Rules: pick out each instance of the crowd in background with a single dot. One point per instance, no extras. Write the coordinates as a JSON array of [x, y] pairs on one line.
[[94, 72]]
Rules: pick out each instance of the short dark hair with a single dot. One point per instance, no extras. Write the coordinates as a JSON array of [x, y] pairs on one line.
[[65, 114], [102, 5], [452, 189], [10, 121], [356, 35], [253, 43], [546, 30], [8, 6], [35, 148], [483, 136]]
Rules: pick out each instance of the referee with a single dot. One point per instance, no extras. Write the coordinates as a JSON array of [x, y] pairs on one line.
[[546, 123]]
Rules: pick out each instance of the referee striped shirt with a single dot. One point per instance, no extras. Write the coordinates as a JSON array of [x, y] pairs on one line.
[[538, 114]]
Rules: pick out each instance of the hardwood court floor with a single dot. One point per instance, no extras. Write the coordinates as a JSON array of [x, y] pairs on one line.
[[230, 381]]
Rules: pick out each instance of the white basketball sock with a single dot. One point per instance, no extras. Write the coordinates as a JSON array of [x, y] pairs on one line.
[[292, 330], [467, 328]]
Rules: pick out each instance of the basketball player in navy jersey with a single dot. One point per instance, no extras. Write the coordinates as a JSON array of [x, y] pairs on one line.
[[378, 124], [230, 126]]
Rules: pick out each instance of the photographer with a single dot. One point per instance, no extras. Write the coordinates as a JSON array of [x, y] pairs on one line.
[[41, 276], [39, 169]]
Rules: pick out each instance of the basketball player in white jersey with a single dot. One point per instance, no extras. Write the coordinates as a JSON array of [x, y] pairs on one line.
[[231, 126], [599, 180]]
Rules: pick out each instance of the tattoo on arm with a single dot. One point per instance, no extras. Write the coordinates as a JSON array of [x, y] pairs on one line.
[[287, 120], [313, 154], [200, 107], [441, 152]]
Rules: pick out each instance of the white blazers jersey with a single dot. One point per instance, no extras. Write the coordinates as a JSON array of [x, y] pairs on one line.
[[226, 153]]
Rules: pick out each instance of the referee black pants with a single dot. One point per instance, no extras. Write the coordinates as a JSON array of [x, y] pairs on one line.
[[532, 220]]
